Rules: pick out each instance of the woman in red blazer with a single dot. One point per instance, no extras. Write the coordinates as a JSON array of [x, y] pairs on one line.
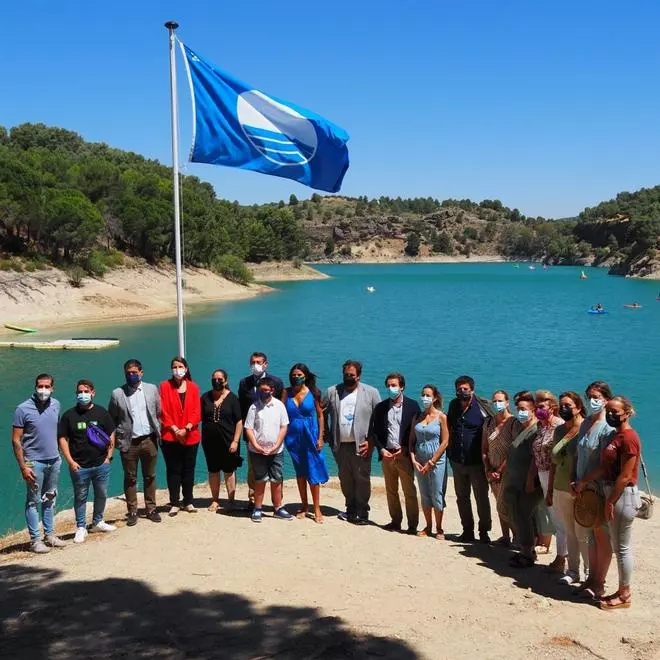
[[180, 417]]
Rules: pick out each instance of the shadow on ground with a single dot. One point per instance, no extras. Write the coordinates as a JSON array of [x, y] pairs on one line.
[[537, 578], [44, 618]]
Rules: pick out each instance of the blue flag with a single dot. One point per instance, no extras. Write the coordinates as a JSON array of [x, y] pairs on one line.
[[238, 126]]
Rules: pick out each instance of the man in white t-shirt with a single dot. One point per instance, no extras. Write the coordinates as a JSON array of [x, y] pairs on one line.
[[265, 428], [349, 408]]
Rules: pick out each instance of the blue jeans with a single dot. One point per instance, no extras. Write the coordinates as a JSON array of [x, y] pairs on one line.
[[99, 478], [44, 492]]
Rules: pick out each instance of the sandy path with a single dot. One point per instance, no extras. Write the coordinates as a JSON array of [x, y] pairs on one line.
[[208, 585]]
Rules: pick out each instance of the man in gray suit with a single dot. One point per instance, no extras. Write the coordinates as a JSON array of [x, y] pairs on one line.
[[135, 410], [349, 408]]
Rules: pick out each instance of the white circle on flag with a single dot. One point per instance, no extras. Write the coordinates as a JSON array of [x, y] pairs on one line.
[[278, 132]]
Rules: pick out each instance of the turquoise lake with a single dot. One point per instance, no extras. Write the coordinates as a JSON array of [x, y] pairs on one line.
[[507, 327]]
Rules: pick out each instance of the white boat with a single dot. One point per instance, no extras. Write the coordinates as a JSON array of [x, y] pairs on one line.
[[370, 289], [532, 267]]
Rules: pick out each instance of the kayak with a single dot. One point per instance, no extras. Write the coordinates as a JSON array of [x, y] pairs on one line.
[[19, 328], [596, 311], [633, 306]]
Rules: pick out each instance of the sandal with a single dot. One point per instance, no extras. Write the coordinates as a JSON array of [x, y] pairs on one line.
[[426, 533], [503, 542], [520, 561], [214, 506], [609, 604]]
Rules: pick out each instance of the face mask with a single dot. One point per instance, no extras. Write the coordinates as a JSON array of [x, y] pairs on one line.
[[426, 401], [257, 369], [566, 413], [179, 373], [463, 396], [523, 416], [349, 381], [613, 419], [43, 394], [498, 406], [218, 385], [132, 378], [264, 396], [596, 405], [84, 398], [297, 380], [394, 392], [543, 414]]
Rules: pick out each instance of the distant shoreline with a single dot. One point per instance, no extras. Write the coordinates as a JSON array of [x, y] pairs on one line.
[[46, 301]]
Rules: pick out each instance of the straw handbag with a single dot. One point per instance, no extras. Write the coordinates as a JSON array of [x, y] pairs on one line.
[[589, 508]]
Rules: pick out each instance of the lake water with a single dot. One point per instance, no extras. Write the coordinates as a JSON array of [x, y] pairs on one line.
[[508, 327]]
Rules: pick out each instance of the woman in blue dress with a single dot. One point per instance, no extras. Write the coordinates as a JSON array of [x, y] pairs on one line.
[[304, 437], [429, 437]]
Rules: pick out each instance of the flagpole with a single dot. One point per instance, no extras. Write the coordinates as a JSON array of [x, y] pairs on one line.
[[171, 27]]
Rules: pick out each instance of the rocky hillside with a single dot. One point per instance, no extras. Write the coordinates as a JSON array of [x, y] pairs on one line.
[[622, 234]]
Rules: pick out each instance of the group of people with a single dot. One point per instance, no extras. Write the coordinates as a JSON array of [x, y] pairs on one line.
[[538, 453]]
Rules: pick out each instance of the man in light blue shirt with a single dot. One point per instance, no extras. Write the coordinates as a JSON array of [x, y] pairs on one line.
[[34, 439]]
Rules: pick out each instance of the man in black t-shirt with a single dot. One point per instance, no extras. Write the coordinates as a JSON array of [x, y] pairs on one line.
[[87, 440]]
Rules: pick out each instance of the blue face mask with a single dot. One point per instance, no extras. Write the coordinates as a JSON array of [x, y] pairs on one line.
[[498, 406], [596, 405], [394, 392], [264, 396], [523, 416], [426, 401], [84, 398], [132, 378]]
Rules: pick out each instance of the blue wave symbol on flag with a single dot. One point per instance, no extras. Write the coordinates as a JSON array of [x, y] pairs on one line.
[[276, 147], [277, 131]]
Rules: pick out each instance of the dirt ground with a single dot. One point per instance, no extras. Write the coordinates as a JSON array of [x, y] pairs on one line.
[[210, 585]]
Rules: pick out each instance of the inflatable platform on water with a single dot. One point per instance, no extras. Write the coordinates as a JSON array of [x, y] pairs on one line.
[[75, 343], [596, 311]]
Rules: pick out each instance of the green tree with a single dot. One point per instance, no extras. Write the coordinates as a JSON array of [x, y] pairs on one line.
[[412, 244]]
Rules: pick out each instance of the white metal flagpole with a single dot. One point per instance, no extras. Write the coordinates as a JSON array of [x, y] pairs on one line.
[[171, 27]]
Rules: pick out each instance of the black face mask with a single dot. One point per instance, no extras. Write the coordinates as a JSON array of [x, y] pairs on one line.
[[218, 385], [566, 413], [349, 380], [463, 396], [613, 419], [297, 380]]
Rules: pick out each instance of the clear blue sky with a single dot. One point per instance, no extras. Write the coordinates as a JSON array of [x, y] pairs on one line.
[[550, 106]]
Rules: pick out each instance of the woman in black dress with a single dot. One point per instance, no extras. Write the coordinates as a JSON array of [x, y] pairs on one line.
[[222, 426]]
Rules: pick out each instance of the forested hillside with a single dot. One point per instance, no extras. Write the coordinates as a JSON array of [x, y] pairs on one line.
[[84, 206]]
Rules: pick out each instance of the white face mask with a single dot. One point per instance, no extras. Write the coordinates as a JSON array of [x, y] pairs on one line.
[[43, 394], [427, 401], [596, 405], [257, 369], [179, 373]]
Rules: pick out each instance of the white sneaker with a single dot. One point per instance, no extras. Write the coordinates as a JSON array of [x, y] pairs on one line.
[[173, 511], [190, 508], [103, 527], [81, 535], [569, 578]]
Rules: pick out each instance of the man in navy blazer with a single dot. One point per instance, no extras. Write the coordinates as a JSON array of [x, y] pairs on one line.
[[390, 433]]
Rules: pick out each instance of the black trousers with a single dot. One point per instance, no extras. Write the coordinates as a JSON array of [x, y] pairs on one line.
[[180, 467]]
